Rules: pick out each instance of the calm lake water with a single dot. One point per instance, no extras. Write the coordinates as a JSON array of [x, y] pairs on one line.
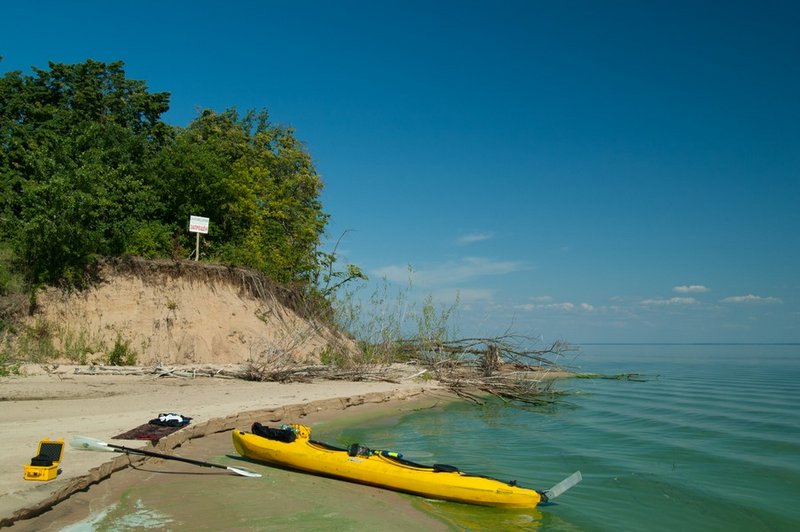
[[709, 441]]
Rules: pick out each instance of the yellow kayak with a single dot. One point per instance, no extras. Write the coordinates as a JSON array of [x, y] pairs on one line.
[[291, 447]]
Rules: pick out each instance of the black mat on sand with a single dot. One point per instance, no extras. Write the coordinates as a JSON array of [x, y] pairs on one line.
[[148, 431]]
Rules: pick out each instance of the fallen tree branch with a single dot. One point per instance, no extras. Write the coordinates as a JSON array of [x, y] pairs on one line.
[[511, 367]]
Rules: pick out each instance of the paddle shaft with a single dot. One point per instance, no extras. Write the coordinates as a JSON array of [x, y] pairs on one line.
[[164, 456]]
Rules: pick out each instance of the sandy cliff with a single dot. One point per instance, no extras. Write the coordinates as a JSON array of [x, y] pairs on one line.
[[180, 313]]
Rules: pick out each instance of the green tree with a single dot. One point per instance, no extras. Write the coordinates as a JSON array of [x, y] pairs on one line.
[[75, 141], [257, 184], [88, 169]]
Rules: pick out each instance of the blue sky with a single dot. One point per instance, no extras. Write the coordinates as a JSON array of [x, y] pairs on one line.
[[596, 171]]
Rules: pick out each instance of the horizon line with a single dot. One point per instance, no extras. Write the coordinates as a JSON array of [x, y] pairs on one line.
[[686, 343]]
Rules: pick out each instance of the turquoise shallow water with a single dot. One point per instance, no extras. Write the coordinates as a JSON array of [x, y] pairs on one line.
[[710, 441]]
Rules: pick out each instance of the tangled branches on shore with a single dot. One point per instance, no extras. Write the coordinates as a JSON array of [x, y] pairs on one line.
[[471, 368], [500, 366]]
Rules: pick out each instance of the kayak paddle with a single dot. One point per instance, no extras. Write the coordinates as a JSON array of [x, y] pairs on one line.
[[562, 486], [91, 444]]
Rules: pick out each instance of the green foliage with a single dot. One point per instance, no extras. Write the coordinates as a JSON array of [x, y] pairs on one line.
[[150, 239], [13, 300], [122, 354], [258, 186], [433, 324], [7, 366], [74, 142], [392, 322], [335, 357], [78, 346], [330, 280], [36, 342], [10, 280], [377, 333]]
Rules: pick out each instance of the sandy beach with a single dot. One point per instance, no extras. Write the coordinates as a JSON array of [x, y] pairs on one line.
[[60, 403]]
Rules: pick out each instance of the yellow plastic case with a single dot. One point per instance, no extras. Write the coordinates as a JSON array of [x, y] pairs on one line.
[[44, 466]]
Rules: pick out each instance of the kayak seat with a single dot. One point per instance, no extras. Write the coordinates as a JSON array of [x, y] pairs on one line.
[[284, 435]]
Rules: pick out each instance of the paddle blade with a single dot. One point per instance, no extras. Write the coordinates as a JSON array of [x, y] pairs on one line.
[[564, 485], [89, 444], [244, 472]]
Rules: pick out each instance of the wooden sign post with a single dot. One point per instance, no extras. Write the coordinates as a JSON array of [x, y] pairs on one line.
[[198, 224]]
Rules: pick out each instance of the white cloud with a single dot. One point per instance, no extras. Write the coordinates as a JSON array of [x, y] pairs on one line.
[[546, 303], [750, 298], [670, 301], [471, 238], [690, 289], [566, 306], [451, 272]]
